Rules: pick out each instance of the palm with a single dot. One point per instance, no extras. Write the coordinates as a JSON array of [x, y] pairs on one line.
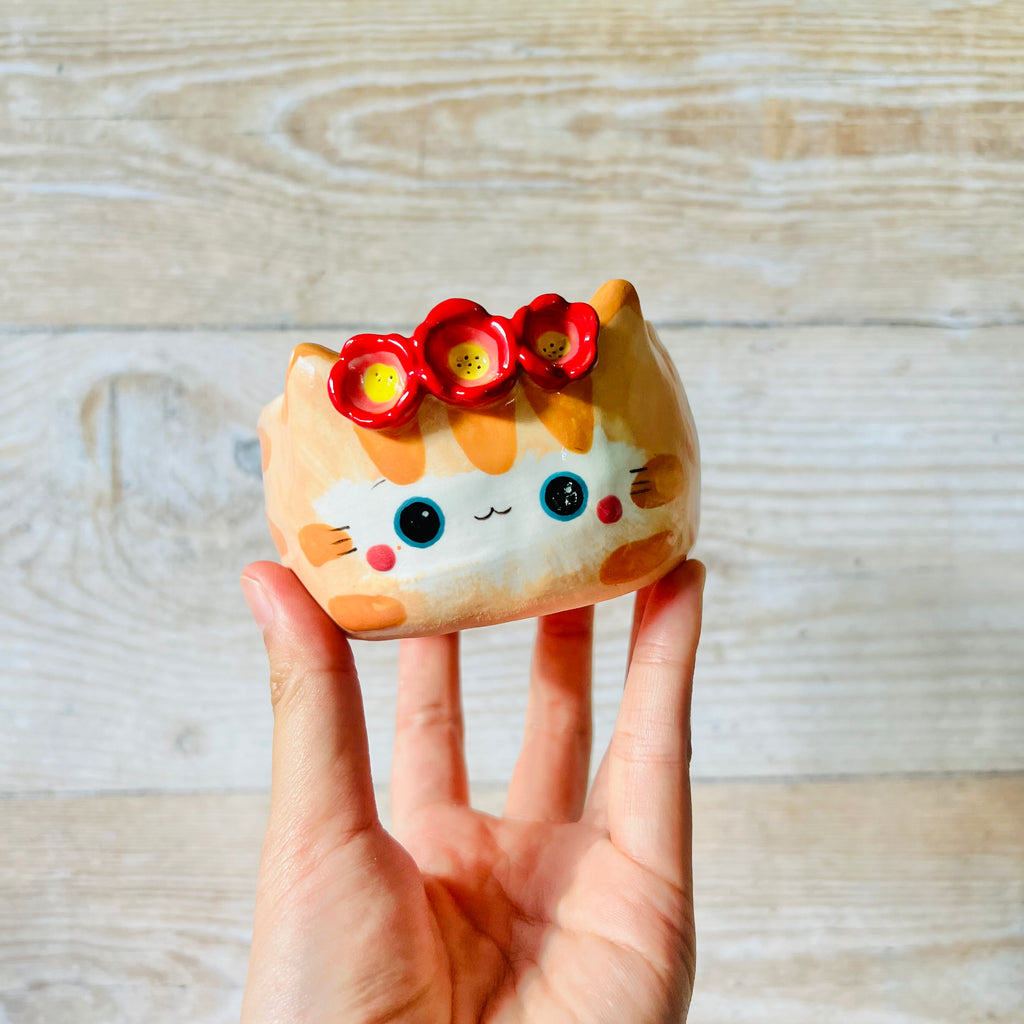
[[550, 922], [571, 908]]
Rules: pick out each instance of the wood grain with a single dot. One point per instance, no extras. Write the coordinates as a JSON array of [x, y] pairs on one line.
[[322, 161], [821, 205], [871, 902], [863, 524]]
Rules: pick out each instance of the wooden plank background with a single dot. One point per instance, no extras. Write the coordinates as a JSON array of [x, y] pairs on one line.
[[820, 206], [874, 902], [862, 521], [257, 162]]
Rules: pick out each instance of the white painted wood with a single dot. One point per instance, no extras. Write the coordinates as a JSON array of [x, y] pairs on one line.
[[323, 161], [872, 902], [863, 522]]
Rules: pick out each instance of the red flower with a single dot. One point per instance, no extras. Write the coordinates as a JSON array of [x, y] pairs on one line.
[[558, 340], [374, 382], [465, 356]]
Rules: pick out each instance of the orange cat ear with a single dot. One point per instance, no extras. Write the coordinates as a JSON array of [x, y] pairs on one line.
[[613, 296], [308, 369], [316, 360]]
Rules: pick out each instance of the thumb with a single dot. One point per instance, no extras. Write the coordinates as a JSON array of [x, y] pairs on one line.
[[321, 760]]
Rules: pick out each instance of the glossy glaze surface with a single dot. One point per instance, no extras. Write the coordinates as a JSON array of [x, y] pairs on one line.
[[545, 499]]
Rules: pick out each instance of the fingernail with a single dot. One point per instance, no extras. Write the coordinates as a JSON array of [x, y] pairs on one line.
[[258, 602]]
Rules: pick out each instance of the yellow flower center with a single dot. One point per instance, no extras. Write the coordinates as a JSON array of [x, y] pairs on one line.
[[381, 383], [553, 345], [468, 361]]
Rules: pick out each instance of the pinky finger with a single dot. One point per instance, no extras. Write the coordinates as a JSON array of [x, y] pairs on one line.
[[648, 759], [596, 809]]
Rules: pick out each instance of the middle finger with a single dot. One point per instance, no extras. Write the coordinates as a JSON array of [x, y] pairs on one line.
[[550, 778], [429, 762]]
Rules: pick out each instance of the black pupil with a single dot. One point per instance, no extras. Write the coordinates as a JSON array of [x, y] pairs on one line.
[[419, 522], [563, 496]]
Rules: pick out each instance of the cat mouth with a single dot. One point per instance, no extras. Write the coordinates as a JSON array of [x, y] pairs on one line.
[[494, 512]]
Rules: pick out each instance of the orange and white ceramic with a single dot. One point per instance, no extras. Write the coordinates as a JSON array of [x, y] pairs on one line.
[[485, 469]]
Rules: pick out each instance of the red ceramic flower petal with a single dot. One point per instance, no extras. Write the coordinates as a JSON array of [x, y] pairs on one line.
[[558, 340], [374, 382], [465, 356]]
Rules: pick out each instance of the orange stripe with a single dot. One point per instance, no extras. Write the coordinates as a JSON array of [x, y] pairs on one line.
[[400, 456], [568, 414], [487, 436]]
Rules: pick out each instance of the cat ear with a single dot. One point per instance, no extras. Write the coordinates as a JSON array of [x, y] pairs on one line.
[[635, 390], [613, 296], [306, 382], [397, 454], [312, 361]]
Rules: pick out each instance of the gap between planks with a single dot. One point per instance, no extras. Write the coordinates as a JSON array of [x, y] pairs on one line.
[[490, 788], [869, 903], [345, 327]]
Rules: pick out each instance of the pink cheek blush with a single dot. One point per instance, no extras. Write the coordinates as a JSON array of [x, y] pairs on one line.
[[609, 510], [381, 557]]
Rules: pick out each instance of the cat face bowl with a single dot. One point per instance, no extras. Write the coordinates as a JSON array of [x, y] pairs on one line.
[[483, 470]]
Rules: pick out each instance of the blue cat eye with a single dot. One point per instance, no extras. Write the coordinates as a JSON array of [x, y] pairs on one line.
[[419, 522], [563, 496]]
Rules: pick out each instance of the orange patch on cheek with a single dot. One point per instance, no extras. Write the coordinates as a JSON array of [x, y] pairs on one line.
[[660, 482], [634, 561], [359, 613], [320, 543], [264, 447], [278, 538]]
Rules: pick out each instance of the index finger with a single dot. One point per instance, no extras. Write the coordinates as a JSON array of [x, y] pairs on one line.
[[648, 763], [321, 762]]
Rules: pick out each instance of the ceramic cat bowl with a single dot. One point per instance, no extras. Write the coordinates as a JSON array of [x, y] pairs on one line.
[[483, 470]]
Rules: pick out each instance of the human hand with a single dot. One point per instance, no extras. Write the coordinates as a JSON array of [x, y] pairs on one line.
[[571, 907]]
